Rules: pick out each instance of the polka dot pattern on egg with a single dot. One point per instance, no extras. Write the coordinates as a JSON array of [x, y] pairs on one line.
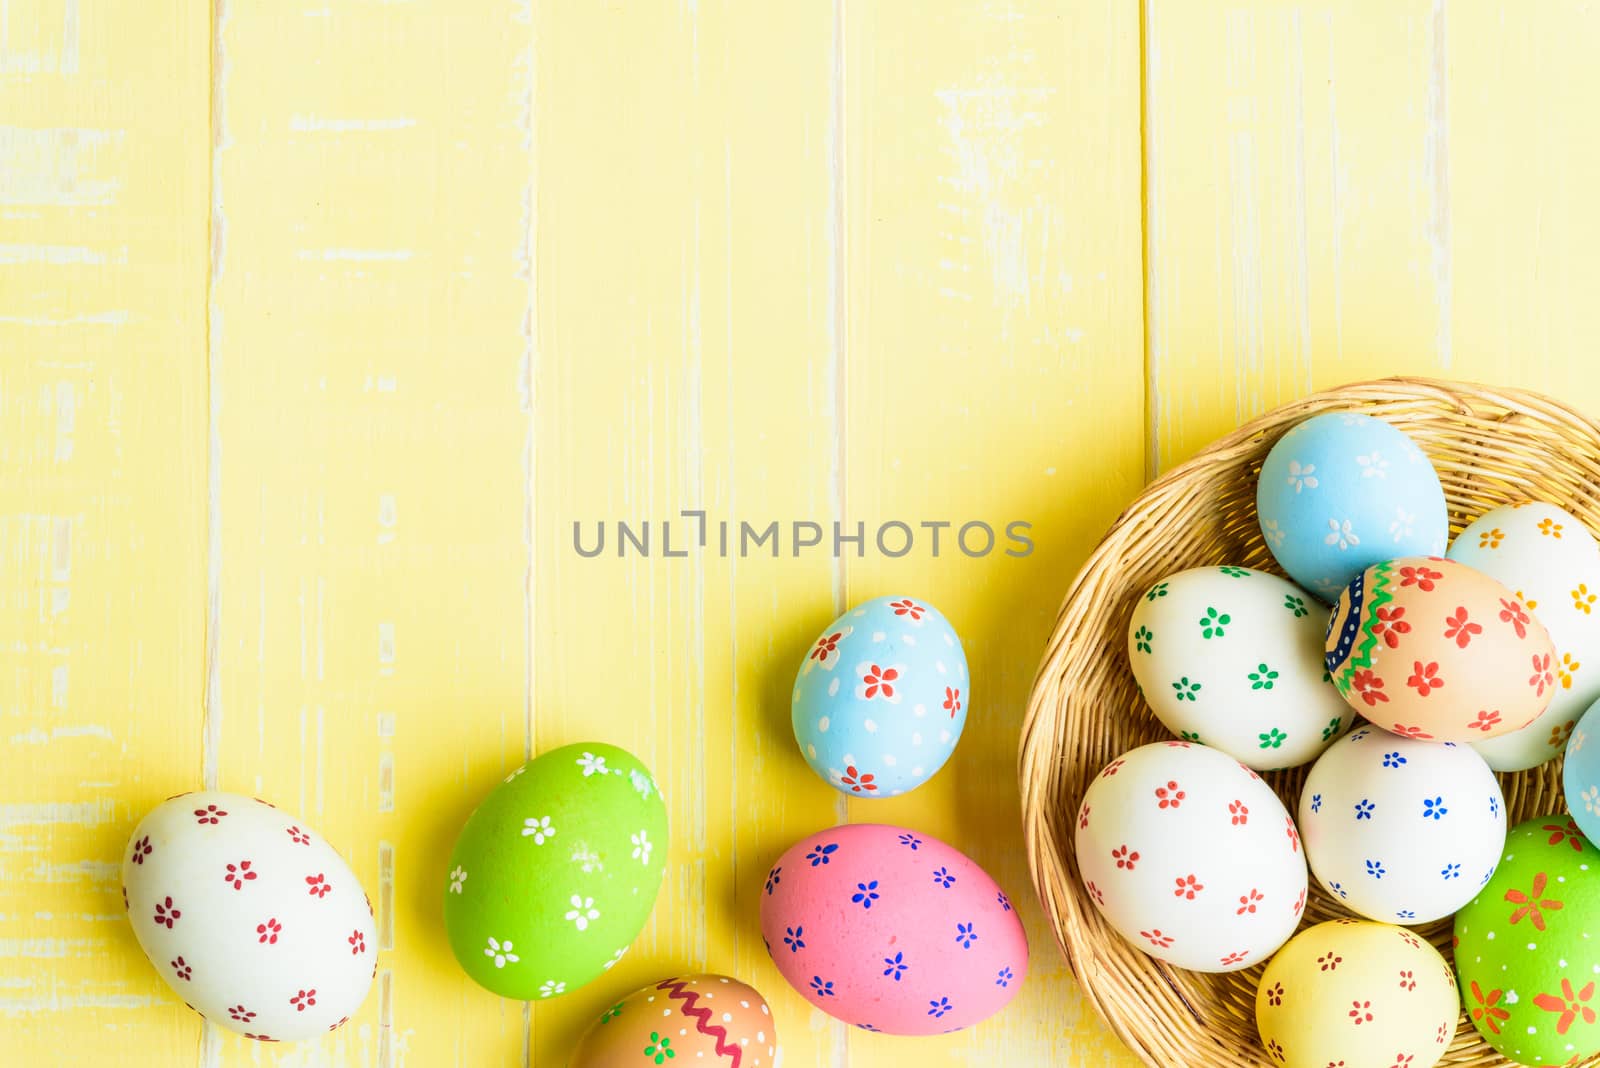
[[881, 698]]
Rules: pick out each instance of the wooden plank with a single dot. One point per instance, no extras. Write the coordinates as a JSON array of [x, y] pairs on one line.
[[1293, 231], [370, 348], [1338, 194], [686, 280], [1523, 167], [102, 504], [994, 374]]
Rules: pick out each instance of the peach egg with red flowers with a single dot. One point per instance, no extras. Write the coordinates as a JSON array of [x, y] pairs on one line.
[[1434, 650]]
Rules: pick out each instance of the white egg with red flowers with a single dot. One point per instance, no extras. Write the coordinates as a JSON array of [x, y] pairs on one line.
[[249, 915], [1191, 857]]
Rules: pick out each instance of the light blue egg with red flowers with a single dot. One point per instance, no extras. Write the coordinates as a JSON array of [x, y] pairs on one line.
[[881, 698], [1343, 491]]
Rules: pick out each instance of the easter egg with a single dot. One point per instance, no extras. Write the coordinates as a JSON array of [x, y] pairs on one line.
[[1343, 491], [1232, 658], [1429, 648], [701, 1019], [556, 871], [1356, 993], [892, 930], [1580, 775], [881, 698], [249, 915], [1401, 830], [1528, 947], [1191, 857], [1550, 562]]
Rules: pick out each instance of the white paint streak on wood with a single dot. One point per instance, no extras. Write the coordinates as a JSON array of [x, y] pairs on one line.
[[388, 517], [1338, 186], [835, 389], [17, 255], [386, 652], [386, 781], [322, 614], [321, 762], [1154, 234], [210, 1044], [109, 318], [50, 948], [105, 874], [735, 735], [61, 59], [221, 141], [49, 167], [835, 399], [1436, 168], [302, 752], [62, 1002], [54, 813], [386, 1042], [61, 552], [66, 423], [1300, 263], [527, 82], [321, 124], [39, 736], [985, 125], [694, 682], [385, 904], [69, 37], [355, 255]]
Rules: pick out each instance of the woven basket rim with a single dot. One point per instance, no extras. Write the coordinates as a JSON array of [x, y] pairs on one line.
[[1115, 990]]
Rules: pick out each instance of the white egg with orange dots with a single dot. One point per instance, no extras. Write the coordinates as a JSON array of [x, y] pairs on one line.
[[1551, 563]]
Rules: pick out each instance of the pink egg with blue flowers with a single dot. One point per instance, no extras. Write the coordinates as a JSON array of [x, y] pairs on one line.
[[892, 930]]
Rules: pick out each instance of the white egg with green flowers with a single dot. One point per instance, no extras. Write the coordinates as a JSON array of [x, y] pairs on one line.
[[1233, 658]]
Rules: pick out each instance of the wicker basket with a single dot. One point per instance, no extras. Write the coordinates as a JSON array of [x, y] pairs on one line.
[[1490, 447]]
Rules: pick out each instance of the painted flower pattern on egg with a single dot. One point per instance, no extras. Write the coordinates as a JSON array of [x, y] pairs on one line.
[[704, 1019], [1391, 824], [256, 921], [1231, 657], [1343, 491], [1356, 993], [1191, 857], [1470, 663], [897, 932], [555, 872], [1581, 774], [1526, 947], [1552, 578], [881, 697]]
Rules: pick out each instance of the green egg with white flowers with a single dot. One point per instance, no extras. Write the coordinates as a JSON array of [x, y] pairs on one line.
[[556, 872]]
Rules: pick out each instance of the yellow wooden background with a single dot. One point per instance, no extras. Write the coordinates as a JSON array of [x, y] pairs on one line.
[[322, 320]]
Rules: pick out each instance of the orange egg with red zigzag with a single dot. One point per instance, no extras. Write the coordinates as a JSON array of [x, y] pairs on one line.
[[704, 1019]]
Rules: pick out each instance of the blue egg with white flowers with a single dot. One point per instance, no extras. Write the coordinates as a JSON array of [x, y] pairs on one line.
[[1343, 491], [882, 696], [1580, 775]]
